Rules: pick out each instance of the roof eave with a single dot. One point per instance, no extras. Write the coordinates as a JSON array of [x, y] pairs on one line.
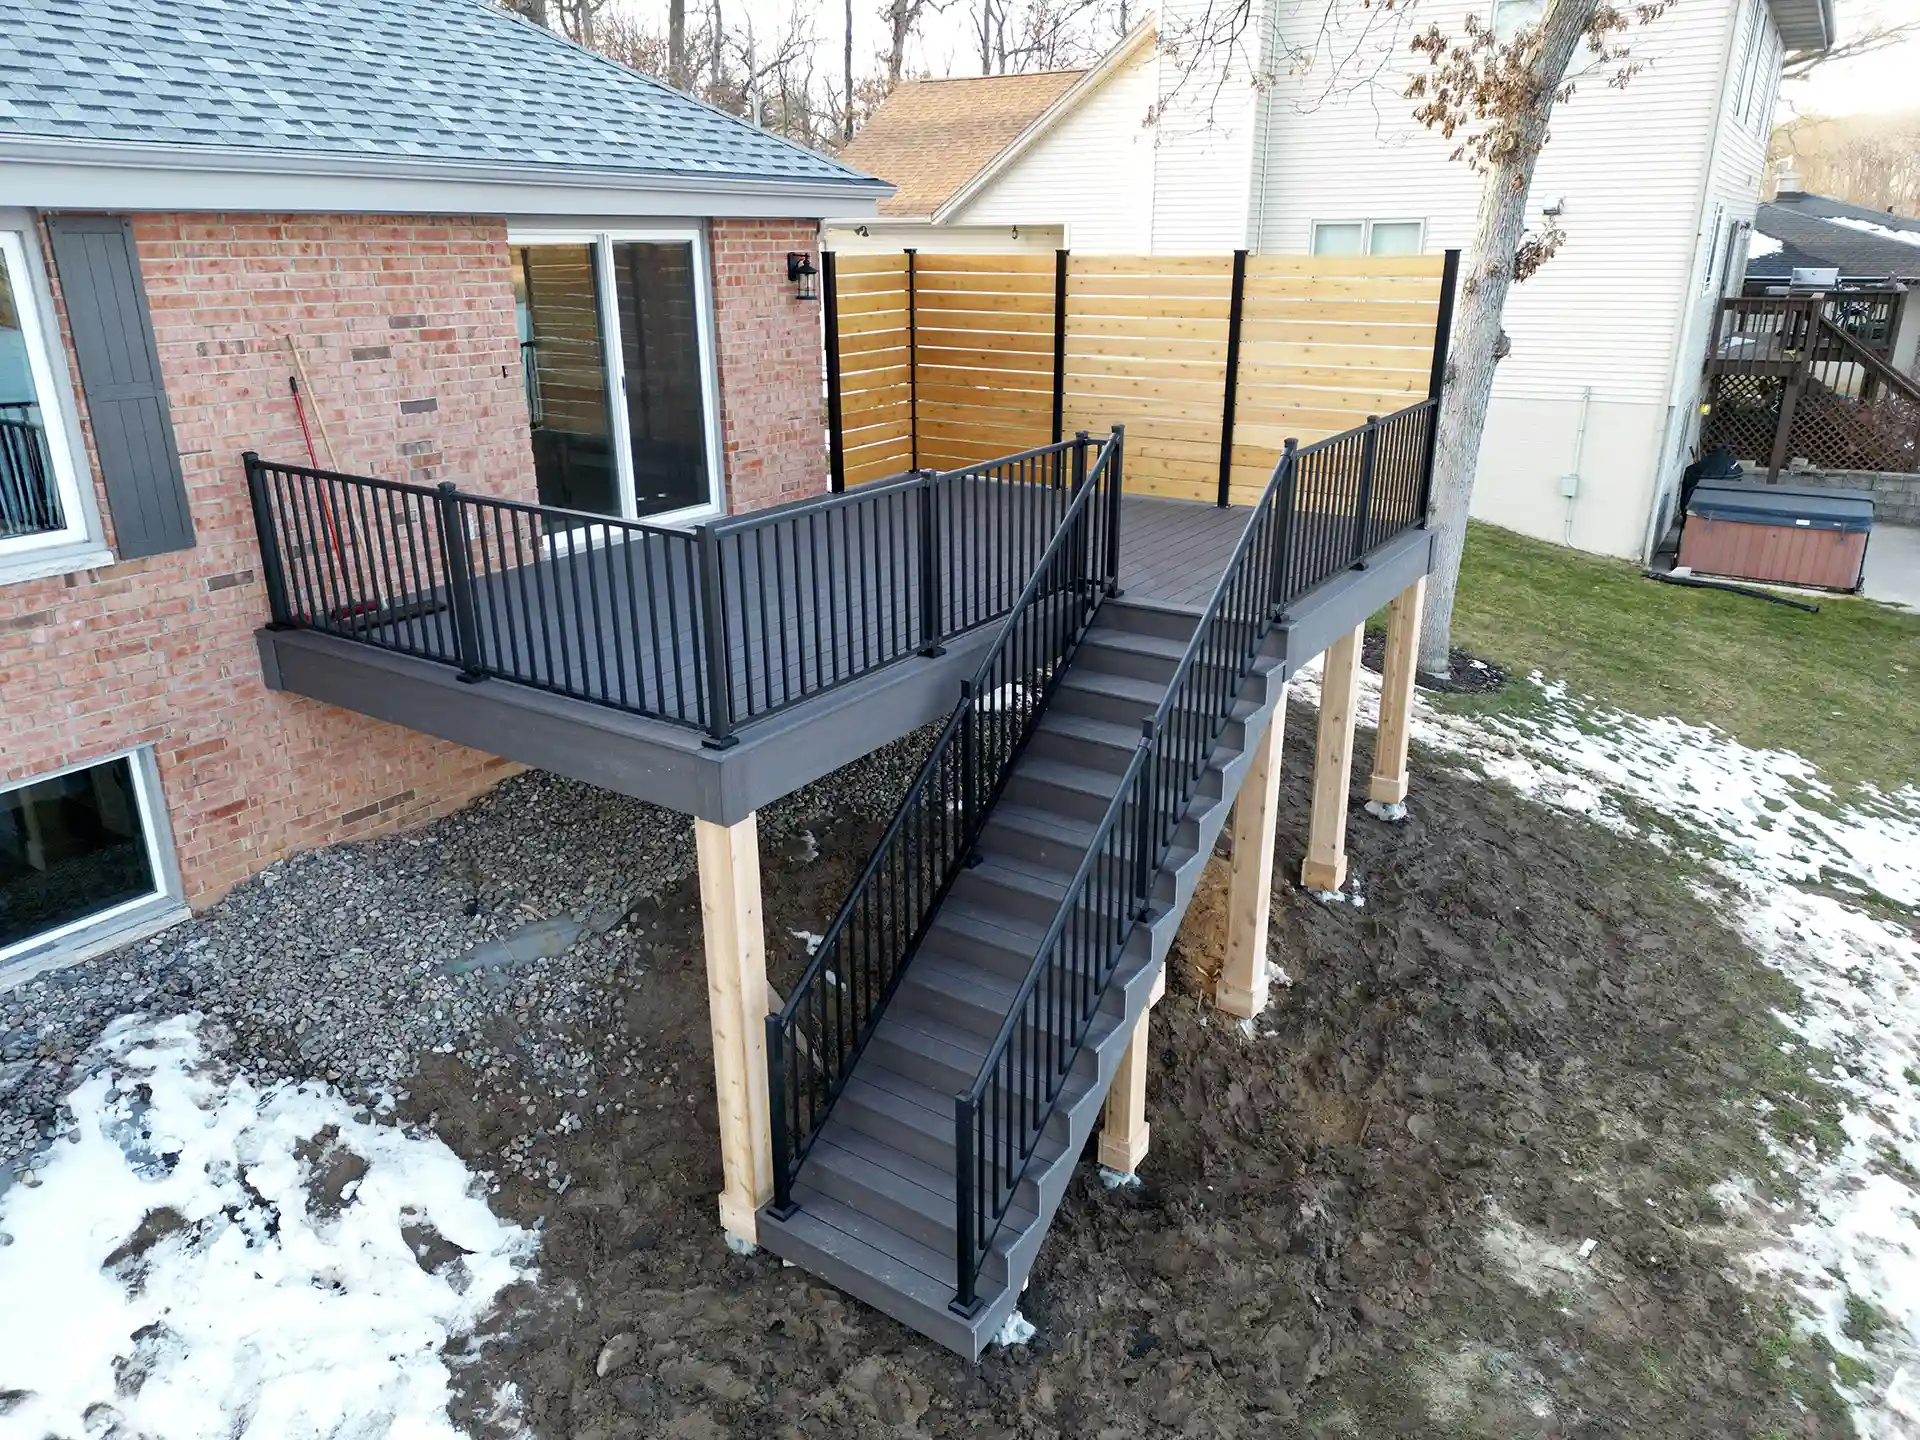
[[253, 162], [1109, 65], [1805, 26]]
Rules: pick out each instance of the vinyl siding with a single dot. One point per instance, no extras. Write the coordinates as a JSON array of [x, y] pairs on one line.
[[1091, 172], [1628, 165]]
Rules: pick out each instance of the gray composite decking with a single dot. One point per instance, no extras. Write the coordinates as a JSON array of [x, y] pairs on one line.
[[1171, 555]]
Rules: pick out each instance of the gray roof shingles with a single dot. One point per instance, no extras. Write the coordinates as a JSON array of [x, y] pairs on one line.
[[443, 80], [1804, 226]]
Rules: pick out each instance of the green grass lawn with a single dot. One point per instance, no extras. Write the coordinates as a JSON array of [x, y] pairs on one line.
[[1841, 687]]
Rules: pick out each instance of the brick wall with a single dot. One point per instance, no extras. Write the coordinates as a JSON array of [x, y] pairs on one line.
[[404, 327], [772, 386]]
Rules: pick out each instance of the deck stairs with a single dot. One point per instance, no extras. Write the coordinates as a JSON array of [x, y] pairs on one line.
[[875, 1193]]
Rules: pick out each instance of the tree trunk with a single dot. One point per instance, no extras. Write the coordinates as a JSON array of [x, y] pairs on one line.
[[1486, 275], [677, 44], [713, 84], [846, 120], [900, 18]]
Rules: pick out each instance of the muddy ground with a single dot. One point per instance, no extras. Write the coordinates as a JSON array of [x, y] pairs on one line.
[[1365, 1219]]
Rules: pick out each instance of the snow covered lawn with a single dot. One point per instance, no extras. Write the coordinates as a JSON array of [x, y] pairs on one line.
[[201, 1256], [1827, 891]]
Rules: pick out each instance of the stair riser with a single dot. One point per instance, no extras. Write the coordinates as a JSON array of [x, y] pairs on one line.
[[1041, 794], [1149, 620], [969, 1013], [907, 1219], [1028, 848], [950, 1078], [937, 1149], [1102, 658], [1114, 709]]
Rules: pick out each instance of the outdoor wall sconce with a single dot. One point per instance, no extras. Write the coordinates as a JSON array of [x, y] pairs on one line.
[[800, 273]]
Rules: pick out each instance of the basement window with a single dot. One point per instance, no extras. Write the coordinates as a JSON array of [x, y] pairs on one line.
[[86, 862]]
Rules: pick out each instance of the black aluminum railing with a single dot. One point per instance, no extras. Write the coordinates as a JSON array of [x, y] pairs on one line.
[[818, 1034], [709, 628], [1324, 509], [29, 501]]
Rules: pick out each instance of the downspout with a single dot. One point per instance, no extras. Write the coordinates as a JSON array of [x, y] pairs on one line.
[[1570, 484], [1676, 414]]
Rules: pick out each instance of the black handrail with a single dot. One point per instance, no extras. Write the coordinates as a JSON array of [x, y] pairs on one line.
[[1342, 497], [710, 628], [816, 1036]]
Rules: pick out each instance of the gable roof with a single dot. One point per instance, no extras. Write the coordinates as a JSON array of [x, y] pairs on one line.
[[1817, 230], [930, 137], [458, 84]]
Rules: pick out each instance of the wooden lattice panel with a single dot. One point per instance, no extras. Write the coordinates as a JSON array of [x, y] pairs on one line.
[[1745, 410], [876, 421], [1841, 432]]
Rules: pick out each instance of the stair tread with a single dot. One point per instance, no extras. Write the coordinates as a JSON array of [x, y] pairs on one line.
[[1087, 779], [874, 1165], [1023, 875], [1148, 693], [1089, 730], [1071, 830], [926, 1110], [1139, 642], [875, 1234]]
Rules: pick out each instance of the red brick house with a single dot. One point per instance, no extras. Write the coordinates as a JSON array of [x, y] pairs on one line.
[[417, 239]]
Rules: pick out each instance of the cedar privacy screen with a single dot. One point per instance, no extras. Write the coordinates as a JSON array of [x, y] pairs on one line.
[[1211, 362]]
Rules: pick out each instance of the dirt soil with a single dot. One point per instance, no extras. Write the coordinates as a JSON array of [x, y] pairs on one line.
[[1365, 1218]]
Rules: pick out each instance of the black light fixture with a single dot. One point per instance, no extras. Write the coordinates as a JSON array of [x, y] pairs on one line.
[[801, 272]]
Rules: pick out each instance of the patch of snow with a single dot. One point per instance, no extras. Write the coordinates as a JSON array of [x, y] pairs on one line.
[[810, 940], [1392, 811], [1759, 246], [1119, 1179], [1769, 824], [1869, 227], [1535, 1263], [182, 1269], [1016, 1329]]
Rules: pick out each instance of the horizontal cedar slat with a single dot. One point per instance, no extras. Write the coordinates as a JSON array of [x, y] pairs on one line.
[[1263, 266], [983, 265]]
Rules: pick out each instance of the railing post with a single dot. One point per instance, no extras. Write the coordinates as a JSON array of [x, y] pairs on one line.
[[458, 557], [830, 311], [1146, 786], [1284, 495], [1059, 343], [719, 676], [1363, 492], [272, 561], [932, 621], [1798, 337], [783, 1206], [1236, 302], [1080, 439], [1437, 376], [964, 1302], [969, 770], [1117, 475]]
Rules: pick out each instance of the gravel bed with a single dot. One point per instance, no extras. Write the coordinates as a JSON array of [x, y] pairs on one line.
[[351, 962]]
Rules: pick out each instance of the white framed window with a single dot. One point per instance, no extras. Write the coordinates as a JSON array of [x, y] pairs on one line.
[[48, 521], [1369, 237], [1711, 270], [86, 862], [1510, 17], [617, 351]]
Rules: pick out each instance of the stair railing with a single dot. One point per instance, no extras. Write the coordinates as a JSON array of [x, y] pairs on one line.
[[817, 1035], [1325, 507]]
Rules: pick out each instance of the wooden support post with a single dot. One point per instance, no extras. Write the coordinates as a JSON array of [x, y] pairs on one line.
[[1388, 784], [1242, 989], [1124, 1131], [737, 998], [1325, 867]]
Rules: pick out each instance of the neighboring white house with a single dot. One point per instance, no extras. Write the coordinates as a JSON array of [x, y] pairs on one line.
[[1175, 145]]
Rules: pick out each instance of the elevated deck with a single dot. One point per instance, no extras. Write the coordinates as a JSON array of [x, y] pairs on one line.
[[1171, 552]]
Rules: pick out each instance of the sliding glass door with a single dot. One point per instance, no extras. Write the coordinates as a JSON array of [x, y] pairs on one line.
[[616, 355]]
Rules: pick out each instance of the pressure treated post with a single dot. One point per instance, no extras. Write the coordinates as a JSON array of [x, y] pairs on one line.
[[1242, 989], [1124, 1131], [1325, 867], [1388, 784], [730, 916]]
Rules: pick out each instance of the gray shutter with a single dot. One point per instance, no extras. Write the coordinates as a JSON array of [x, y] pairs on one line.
[[120, 376]]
